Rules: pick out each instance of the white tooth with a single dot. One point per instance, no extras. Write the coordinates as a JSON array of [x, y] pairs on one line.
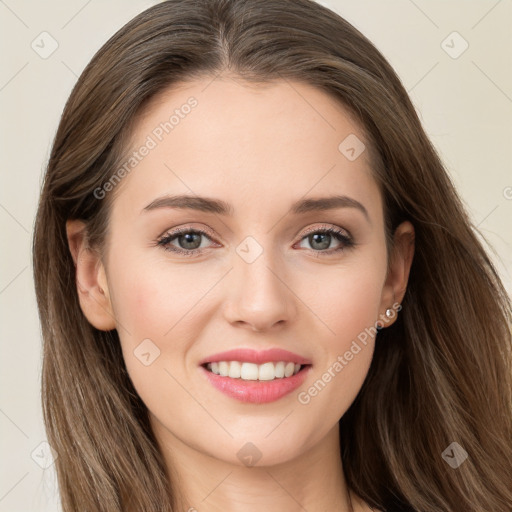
[[223, 368], [234, 369], [249, 371], [266, 371], [288, 370], [279, 370]]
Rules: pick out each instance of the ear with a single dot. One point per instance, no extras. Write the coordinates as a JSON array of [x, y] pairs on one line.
[[91, 279], [397, 277]]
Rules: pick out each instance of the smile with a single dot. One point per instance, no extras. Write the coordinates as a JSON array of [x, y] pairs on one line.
[[255, 376], [251, 371]]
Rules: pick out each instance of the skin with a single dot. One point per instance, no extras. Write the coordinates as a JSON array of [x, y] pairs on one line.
[[259, 148]]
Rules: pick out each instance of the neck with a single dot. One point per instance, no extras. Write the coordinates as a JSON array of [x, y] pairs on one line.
[[312, 481]]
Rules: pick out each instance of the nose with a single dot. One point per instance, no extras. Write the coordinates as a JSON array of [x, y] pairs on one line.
[[259, 296]]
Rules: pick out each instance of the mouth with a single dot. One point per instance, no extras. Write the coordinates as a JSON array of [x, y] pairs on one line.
[[243, 370], [255, 376]]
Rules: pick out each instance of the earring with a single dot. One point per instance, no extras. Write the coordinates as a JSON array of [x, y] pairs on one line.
[[389, 313]]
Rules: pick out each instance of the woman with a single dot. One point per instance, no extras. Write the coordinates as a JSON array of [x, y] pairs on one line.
[[257, 286]]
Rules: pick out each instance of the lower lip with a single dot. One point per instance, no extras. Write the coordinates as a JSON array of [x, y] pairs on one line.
[[256, 391]]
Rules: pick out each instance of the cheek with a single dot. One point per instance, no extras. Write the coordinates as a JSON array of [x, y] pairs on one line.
[[156, 327], [160, 310], [347, 301], [154, 300]]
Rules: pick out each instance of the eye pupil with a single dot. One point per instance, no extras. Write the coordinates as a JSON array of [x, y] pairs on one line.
[[317, 238], [190, 243]]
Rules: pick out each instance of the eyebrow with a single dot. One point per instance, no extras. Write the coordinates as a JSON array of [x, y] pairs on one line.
[[217, 206]]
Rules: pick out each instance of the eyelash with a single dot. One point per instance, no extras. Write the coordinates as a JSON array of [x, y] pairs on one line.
[[346, 241]]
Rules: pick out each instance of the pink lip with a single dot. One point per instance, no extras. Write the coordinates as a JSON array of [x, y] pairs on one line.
[[273, 355], [255, 391]]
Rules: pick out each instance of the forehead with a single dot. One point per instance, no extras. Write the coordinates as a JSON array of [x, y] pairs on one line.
[[253, 145]]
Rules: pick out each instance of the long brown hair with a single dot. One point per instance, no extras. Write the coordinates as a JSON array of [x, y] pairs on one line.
[[441, 373]]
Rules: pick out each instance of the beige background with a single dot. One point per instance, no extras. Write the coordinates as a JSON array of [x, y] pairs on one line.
[[465, 104]]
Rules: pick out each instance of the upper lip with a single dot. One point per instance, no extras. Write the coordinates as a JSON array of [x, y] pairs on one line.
[[273, 355]]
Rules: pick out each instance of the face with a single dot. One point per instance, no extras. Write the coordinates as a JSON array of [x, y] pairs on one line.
[[265, 269]]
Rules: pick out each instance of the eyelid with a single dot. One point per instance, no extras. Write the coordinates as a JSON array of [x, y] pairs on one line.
[[186, 228], [314, 229]]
